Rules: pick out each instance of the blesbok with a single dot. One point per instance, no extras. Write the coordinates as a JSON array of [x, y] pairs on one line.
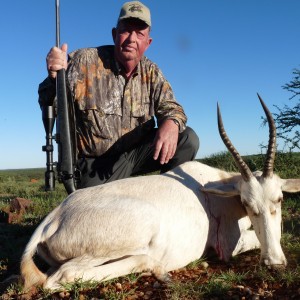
[[160, 223]]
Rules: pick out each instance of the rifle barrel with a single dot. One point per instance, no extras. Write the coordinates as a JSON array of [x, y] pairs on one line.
[[57, 14]]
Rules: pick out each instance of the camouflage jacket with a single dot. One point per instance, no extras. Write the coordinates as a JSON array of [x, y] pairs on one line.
[[113, 113]]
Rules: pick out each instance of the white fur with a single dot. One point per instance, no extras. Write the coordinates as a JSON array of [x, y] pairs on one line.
[[157, 223]]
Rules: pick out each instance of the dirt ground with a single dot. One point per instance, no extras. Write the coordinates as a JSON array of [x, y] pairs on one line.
[[190, 283], [147, 287]]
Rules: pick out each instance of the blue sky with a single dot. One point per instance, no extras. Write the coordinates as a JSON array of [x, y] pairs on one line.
[[209, 50]]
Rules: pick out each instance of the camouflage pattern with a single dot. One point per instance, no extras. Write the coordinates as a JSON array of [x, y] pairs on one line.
[[135, 9], [112, 113]]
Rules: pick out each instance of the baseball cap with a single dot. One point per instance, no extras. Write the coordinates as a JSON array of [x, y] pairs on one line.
[[137, 10]]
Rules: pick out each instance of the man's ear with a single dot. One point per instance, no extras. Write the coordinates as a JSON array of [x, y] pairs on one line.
[[114, 34], [149, 41]]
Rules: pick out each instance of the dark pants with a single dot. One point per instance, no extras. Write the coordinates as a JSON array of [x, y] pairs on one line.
[[95, 171]]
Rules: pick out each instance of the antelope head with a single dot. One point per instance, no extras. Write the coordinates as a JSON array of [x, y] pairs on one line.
[[261, 194]]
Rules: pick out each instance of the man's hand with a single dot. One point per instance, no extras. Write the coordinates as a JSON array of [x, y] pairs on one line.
[[57, 60], [165, 142]]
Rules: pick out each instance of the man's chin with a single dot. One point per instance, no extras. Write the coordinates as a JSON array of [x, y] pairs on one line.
[[128, 56], [129, 53]]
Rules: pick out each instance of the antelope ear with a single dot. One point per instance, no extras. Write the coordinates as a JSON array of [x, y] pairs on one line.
[[224, 190], [290, 185]]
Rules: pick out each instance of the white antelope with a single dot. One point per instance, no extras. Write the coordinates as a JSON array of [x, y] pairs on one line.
[[160, 223]]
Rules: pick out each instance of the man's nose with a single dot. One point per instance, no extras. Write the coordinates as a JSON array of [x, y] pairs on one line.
[[132, 36]]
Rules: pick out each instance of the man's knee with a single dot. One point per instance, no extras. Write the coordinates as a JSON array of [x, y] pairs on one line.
[[189, 141], [187, 147]]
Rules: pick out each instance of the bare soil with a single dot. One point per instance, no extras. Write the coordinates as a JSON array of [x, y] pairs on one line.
[[190, 283], [147, 287]]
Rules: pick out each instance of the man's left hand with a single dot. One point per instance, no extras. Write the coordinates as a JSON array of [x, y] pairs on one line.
[[165, 142]]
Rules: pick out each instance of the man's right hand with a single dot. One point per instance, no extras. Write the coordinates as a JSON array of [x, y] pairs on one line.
[[56, 60]]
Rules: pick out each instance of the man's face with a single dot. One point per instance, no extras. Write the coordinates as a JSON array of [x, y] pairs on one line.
[[131, 39]]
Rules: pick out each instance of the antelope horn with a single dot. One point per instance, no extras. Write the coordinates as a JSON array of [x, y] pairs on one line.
[[244, 169], [270, 157]]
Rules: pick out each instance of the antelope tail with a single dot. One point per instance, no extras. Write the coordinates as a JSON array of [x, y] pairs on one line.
[[30, 274]]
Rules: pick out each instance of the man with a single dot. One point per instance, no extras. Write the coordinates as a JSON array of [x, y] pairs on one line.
[[118, 96]]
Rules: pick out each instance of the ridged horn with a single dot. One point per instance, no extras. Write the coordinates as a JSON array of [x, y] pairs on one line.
[[270, 156], [244, 169]]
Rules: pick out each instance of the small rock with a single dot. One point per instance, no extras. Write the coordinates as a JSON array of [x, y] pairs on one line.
[[15, 211], [64, 294], [240, 287], [261, 291], [156, 285], [104, 290], [119, 286], [248, 291], [248, 259], [132, 297], [204, 265], [149, 293], [19, 205]]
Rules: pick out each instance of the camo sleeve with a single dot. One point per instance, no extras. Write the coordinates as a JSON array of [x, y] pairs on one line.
[[47, 92], [166, 106]]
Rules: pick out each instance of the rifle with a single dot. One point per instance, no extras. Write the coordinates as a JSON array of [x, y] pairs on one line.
[[66, 169]]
